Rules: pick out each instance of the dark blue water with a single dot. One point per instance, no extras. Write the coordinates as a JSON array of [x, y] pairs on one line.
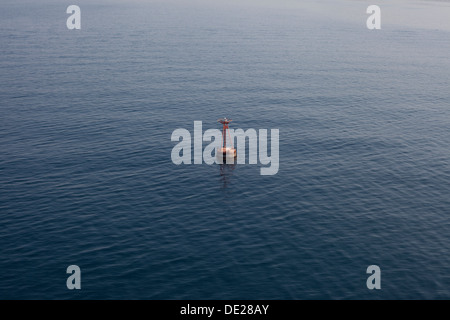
[[86, 175]]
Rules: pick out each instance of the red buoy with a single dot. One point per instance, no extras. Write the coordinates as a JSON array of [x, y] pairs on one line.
[[226, 151]]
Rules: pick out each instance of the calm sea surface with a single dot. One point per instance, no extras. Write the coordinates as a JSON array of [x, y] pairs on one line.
[[86, 176]]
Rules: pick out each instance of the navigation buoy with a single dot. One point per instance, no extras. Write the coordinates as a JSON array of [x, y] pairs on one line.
[[226, 151]]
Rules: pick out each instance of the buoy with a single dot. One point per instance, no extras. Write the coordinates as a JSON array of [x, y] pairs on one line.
[[227, 152]]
